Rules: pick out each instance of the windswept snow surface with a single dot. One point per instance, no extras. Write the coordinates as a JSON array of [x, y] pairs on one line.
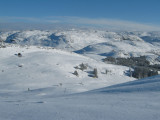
[[40, 85]]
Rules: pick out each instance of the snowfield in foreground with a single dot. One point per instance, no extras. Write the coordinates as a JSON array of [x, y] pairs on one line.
[[40, 85]]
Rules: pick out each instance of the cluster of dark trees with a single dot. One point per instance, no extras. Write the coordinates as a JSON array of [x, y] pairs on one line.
[[132, 61], [141, 65], [142, 72], [83, 67], [95, 73]]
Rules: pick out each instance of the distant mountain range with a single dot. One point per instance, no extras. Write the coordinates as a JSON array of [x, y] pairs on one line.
[[91, 42]]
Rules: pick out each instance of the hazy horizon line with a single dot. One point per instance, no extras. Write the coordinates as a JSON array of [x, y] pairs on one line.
[[10, 22]]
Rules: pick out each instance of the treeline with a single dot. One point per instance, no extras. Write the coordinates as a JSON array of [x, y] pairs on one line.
[[141, 65]]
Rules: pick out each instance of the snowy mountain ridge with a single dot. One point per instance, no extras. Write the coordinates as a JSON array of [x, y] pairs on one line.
[[91, 43]]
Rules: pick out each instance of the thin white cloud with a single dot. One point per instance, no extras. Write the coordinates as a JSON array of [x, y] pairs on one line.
[[110, 23], [101, 22]]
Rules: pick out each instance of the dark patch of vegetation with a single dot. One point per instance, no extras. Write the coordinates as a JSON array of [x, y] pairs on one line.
[[107, 71], [156, 66], [19, 55], [110, 59], [132, 61], [141, 66], [95, 73], [76, 73], [81, 67], [142, 72]]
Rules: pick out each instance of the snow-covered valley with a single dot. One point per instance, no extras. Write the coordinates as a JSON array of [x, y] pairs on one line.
[[41, 83]]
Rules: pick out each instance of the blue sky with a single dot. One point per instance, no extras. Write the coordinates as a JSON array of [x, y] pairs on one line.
[[144, 12]]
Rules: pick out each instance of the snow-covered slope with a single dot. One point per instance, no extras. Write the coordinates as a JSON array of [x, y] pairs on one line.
[[133, 100], [48, 67], [151, 84]]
